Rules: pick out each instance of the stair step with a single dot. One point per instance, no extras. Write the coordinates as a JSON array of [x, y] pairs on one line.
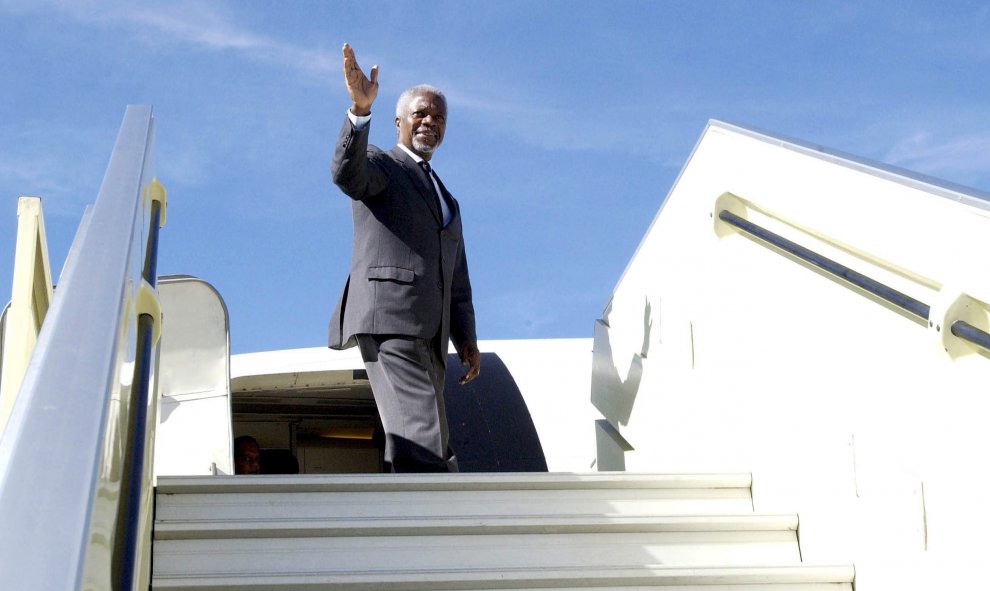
[[416, 553], [449, 532], [463, 481], [560, 524], [423, 495], [771, 578]]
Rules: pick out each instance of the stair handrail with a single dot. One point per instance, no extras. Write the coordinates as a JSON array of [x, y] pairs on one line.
[[67, 506], [914, 307]]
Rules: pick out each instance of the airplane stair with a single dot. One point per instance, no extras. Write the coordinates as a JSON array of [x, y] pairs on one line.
[[476, 531]]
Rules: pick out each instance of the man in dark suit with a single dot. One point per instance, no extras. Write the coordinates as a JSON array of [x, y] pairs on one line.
[[408, 292]]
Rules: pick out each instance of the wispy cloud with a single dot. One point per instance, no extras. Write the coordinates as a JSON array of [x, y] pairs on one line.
[[210, 29], [206, 26], [53, 159], [513, 109], [539, 121]]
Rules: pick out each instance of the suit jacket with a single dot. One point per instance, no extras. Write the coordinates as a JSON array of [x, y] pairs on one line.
[[409, 273]]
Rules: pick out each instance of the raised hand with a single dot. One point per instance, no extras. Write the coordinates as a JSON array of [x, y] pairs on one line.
[[362, 90]]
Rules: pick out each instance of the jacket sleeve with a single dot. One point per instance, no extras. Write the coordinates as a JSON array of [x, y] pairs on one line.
[[357, 167], [462, 327]]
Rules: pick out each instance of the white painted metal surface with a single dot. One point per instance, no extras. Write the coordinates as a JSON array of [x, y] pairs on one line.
[[385, 496], [194, 431], [478, 531], [3, 325], [31, 294], [513, 524], [819, 578], [718, 353], [554, 377], [412, 552]]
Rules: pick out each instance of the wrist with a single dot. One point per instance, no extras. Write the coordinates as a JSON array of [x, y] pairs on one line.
[[358, 111]]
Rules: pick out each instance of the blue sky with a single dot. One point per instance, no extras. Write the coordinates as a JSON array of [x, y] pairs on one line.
[[568, 123]]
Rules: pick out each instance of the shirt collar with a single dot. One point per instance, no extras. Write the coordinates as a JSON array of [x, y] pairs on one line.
[[416, 157]]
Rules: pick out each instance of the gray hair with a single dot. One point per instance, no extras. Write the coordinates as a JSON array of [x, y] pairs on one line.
[[409, 93]]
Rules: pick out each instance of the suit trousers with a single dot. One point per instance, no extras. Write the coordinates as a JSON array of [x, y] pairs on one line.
[[407, 380]]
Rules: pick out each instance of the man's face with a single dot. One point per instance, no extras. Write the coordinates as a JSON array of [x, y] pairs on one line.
[[247, 459], [422, 125]]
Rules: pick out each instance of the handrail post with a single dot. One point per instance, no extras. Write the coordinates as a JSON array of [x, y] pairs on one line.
[[143, 403], [959, 323]]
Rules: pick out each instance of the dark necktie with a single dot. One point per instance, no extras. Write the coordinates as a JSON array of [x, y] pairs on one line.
[[429, 179]]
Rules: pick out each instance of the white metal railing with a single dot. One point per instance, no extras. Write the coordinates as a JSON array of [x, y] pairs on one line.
[[68, 451], [31, 294], [3, 329]]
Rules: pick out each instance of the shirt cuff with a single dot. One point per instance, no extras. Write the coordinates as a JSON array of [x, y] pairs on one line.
[[359, 122]]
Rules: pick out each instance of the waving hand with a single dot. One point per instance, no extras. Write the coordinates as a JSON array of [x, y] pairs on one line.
[[362, 90]]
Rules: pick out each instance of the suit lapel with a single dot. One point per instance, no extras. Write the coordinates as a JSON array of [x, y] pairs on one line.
[[451, 202], [420, 180]]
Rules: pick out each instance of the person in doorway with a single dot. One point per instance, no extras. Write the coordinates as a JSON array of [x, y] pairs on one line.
[[247, 455]]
